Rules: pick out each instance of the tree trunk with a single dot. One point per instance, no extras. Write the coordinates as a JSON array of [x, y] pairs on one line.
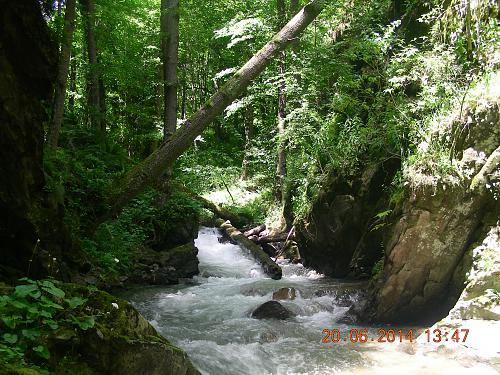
[[170, 45], [94, 95], [62, 73], [72, 86], [281, 165], [135, 181], [282, 190], [248, 123]]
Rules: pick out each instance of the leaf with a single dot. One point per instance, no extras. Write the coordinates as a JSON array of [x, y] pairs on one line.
[[9, 321], [24, 290], [52, 289], [85, 323], [75, 302], [10, 338], [20, 305], [30, 334], [42, 351]]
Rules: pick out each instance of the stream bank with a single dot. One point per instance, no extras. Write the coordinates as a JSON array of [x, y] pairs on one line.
[[210, 317]]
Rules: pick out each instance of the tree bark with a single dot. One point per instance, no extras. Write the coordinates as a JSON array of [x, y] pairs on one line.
[[72, 86], [281, 164], [170, 46], [62, 73], [94, 95], [248, 123], [282, 189], [135, 181]]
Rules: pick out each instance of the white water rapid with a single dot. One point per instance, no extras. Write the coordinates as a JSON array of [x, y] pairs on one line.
[[209, 317]]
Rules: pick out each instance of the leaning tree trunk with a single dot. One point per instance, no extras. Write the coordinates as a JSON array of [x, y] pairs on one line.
[[62, 73], [94, 95], [170, 45], [135, 181]]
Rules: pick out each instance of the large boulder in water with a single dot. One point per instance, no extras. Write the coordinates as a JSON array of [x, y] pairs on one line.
[[272, 310]]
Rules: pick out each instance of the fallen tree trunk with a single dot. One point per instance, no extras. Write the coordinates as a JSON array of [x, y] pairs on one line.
[[280, 237], [135, 181], [255, 231], [268, 265]]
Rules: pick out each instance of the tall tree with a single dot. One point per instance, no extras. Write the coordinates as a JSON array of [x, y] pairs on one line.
[[62, 73], [135, 181], [94, 86], [282, 190], [169, 26]]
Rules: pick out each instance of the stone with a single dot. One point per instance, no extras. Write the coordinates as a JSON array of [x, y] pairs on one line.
[[284, 294], [272, 310], [164, 267]]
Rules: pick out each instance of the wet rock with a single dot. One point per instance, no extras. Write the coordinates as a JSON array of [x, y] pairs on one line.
[[337, 236], [268, 336], [272, 310], [284, 294], [164, 267]]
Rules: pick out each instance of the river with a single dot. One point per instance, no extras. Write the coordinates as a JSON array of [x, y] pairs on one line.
[[209, 317]]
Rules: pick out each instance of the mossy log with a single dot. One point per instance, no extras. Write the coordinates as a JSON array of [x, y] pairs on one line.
[[268, 265]]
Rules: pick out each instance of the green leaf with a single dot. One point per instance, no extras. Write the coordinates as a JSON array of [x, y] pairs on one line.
[[75, 302], [30, 334], [10, 338], [10, 321], [52, 289], [85, 323], [20, 304], [24, 290], [42, 351]]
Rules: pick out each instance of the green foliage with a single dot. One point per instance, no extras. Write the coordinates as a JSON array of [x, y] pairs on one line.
[[31, 314], [114, 241], [378, 268]]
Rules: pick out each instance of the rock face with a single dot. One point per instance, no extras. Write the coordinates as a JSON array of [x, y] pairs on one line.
[[439, 222], [337, 237], [164, 267], [272, 310]]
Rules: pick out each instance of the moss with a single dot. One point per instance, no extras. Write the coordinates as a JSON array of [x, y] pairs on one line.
[[14, 370]]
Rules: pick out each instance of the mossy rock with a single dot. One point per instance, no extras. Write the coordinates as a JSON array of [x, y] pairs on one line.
[[120, 342]]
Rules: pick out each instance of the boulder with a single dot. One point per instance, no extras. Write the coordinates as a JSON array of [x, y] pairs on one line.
[[272, 310], [123, 342], [337, 237], [284, 294], [164, 267]]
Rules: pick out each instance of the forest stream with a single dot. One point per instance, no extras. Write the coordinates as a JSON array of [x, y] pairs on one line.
[[210, 317]]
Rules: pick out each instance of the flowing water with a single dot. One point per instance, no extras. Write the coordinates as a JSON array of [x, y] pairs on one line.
[[209, 317]]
